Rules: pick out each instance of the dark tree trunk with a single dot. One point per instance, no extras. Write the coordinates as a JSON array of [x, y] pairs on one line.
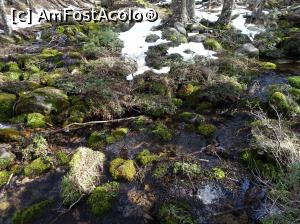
[[225, 16], [191, 9], [179, 11], [7, 28]]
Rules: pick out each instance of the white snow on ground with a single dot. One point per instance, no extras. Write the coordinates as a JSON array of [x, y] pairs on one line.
[[135, 46], [239, 23], [3, 126], [195, 48]]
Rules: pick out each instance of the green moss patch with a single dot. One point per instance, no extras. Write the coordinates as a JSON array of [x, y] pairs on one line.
[[27, 215], [294, 81], [162, 131], [207, 130], [6, 106], [145, 157], [122, 169], [36, 120], [101, 199], [116, 135], [4, 176], [37, 167]]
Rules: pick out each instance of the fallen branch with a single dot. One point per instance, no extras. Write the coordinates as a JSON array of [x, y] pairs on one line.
[[81, 125]]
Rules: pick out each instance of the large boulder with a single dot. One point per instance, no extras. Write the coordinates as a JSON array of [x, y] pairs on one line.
[[248, 49], [44, 100], [6, 106], [291, 45]]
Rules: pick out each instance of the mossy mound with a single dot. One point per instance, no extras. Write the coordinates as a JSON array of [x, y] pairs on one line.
[[162, 131], [122, 169], [86, 167], [36, 120], [185, 168], [6, 106], [280, 101], [294, 81], [4, 176], [212, 44], [268, 65], [207, 130], [37, 167], [145, 157], [27, 215], [116, 135], [101, 199], [43, 100]]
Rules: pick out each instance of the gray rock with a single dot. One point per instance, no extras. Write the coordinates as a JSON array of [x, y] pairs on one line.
[[198, 38], [180, 28], [6, 156], [248, 49], [151, 38], [196, 27]]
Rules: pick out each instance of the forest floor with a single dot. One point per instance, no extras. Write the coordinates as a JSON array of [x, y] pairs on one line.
[[194, 123]]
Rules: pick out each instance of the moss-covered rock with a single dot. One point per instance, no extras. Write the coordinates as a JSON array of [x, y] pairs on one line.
[[9, 134], [207, 130], [186, 90], [86, 167], [6, 106], [101, 199], [268, 65], [204, 107], [151, 38], [294, 81], [145, 157], [36, 120], [173, 35], [6, 158], [27, 215], [162, 131], [280, 101], [212, 44], [13, 66], [43, 100], [4, 176], [122, 169], [37, 167], [116, 135]]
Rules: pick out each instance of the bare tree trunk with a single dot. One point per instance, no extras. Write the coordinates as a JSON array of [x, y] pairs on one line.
[[107, 3], [7, 28], [225, 16], [191, 9], [179, 11]]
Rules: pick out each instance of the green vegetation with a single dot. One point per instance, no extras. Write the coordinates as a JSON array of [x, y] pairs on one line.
[[36, 120], [294, 81], [190, 169], [280, 102], [145, 157], [218, 173], [207, 130], [101, 199], [62, 158], [6, 106], [212, 44], [162, 131], [28, 215], [268, 65], [7, 158], [116, 135], [172, 214], [160, 171], [122, 169], [37, 167], [4, 176]]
